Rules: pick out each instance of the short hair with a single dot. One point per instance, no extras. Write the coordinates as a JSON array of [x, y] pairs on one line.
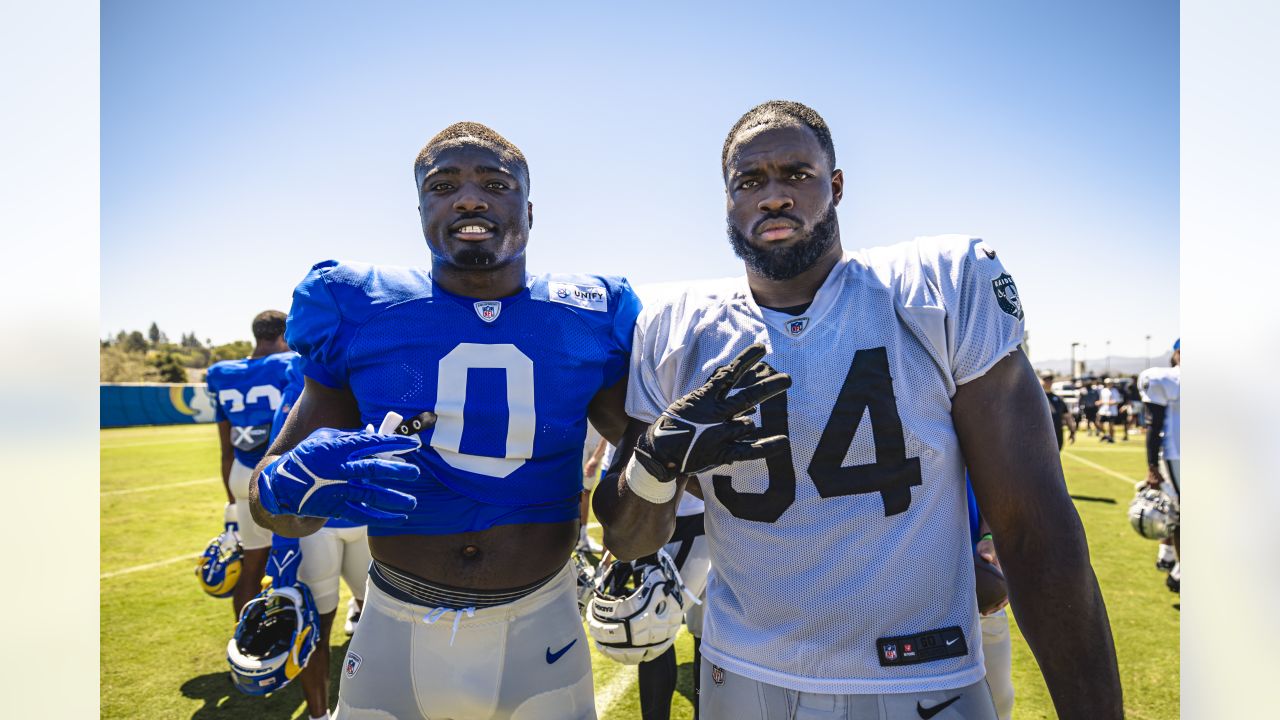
[[471, 133], [268, 325], [781, 112]]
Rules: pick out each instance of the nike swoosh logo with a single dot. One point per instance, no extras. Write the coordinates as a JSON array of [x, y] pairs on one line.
[[927, 713], [662, 432], [554, 656], [953, 641]]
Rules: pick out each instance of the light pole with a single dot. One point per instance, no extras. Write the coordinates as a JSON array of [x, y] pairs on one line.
[[1084, 357], [1074, 345], [1108, 358], [1148, 351]]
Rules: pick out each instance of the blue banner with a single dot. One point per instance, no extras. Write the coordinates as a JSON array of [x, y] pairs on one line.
[[127, 404]]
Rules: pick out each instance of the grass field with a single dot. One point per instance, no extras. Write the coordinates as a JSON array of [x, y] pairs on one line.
[[163, 642]]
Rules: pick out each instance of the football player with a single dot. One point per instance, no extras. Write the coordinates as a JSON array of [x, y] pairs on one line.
[[340, 549], [480, 379], [903, 367], [997, 646], [1059, 412], [246, 394], [1107, 404], [688, 548], [1161, 390]]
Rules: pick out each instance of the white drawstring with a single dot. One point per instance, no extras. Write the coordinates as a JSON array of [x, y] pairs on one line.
[[676, 571], [438, 613]]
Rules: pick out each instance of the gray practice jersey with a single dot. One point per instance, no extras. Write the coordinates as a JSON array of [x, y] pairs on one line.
[[846, 567]]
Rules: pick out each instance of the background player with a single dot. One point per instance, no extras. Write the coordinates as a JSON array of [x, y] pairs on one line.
[[903, 367], [340, 549], [1107, 403], [997, 646], [471, 608], [246, 394], [1161, 390], [1058, 412]]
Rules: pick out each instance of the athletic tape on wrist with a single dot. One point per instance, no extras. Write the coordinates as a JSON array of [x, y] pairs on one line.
[[646, 486]]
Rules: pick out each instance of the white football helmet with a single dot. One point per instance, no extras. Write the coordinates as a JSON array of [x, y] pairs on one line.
[[636, 608], [586, 580], [1153, 514]]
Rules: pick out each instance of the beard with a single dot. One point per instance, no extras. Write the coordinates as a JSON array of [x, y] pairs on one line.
[[787, 262]]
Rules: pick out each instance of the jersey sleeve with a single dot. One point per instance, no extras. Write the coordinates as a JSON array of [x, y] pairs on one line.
[[1152, 389], [211, 386], [621, 333], [651, 382], [314, 328], [985, 315]]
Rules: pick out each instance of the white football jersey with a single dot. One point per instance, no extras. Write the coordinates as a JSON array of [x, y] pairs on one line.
[[1163, 386], [846, 567]]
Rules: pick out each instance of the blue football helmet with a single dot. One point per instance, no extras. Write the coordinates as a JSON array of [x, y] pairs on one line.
[[277, 633], [219, 566]]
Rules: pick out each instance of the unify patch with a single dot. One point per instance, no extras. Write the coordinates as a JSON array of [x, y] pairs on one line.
[[587, 297], [922, 647]]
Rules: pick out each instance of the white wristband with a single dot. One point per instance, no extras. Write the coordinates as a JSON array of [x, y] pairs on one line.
[[646, 486]]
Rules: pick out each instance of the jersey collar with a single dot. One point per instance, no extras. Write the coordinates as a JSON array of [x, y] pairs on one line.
[[796, 327]]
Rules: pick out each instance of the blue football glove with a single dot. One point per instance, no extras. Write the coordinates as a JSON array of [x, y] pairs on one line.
[[334, 474], [282, 565]]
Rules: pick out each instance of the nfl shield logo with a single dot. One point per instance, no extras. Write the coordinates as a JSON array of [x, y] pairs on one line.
[[797, 326], [890, 652], [717, 674], [488, 310], [351, 665]]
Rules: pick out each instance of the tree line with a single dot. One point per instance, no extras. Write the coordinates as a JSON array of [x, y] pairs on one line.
[[134, 356]]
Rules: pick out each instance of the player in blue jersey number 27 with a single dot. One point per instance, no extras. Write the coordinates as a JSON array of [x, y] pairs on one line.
[[474, 382]]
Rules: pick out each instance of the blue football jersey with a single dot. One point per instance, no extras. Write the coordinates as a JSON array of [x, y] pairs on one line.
[[508, 379], [294, 383], [246, 393], [288, 396]]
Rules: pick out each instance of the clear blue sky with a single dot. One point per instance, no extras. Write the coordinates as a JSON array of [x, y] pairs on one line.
[[242, 142]]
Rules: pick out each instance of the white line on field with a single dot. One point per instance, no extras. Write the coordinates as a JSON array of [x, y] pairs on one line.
[[1107, 471], [138, 568], [117, 446], [149, 488], [617, 686]]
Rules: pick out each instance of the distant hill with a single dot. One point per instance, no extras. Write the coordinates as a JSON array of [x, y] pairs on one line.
[[1098, 366]]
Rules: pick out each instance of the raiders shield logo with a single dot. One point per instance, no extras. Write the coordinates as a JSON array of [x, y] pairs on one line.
[[1007, 295], [488, 310]]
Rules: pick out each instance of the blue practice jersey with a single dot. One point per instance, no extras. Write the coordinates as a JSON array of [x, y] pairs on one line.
[[288, 396], [975, 516], [508, 379], [246, 393], [292, 391]]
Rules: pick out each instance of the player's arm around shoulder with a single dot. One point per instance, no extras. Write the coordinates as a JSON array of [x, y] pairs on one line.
[[318, 407], [1006, 435]]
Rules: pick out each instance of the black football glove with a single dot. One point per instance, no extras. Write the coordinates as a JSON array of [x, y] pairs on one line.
[[707, 427]]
